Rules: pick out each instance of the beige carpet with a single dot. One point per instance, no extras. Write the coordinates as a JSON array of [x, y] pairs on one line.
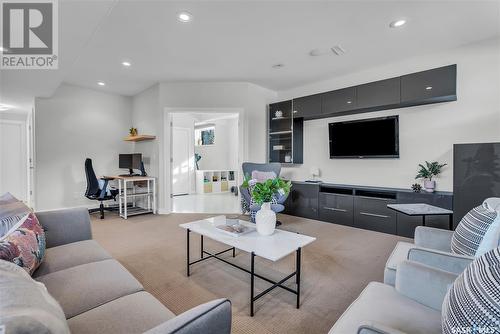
[[335, 268]]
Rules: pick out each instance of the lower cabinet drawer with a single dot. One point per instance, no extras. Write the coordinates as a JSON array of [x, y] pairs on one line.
[[373, 214], [336, 209]]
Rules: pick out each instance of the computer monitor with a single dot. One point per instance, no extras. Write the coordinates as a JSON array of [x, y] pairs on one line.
[[130, 162]]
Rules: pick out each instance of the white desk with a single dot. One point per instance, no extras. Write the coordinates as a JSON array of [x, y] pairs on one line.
[[127, 192]]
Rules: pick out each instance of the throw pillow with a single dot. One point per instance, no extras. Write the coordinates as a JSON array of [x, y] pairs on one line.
[[11, 212], [471, 231], [24, 245], [472, 305], [26, 306]]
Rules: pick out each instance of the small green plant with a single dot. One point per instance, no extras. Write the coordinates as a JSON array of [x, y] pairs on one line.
[[264, 191], [430, 170], [132, 131]]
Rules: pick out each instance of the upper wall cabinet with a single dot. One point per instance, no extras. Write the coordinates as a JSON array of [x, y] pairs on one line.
[[437, 85], [340, 100], [383, 93], [307, 106]]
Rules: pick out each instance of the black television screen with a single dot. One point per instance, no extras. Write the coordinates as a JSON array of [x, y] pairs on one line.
[[367, 138]]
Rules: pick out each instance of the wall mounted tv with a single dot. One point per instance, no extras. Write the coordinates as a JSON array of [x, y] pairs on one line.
[[366, 138]]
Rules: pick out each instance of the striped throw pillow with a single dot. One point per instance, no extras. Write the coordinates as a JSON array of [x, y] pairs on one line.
[[472, 305], [471, 230]]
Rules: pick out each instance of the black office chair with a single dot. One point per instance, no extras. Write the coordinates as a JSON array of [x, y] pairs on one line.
[[95, 193]]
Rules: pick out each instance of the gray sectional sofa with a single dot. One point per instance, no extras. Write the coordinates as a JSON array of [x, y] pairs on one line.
[[98, 295]]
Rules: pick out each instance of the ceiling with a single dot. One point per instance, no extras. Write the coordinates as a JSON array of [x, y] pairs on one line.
[[241, 40]]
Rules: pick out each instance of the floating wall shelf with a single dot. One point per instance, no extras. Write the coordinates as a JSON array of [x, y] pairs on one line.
[[140, 138]]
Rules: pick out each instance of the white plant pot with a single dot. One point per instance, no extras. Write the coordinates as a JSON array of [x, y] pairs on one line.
[[265, 219], [429, 186]]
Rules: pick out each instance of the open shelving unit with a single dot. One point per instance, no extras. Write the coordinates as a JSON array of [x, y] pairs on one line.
[[215, 181]]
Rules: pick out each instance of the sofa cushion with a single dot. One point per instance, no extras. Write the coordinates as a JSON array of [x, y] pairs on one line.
[[471, 230], [25, 305], [381, 303], [82, 288], [472, 305], [71, 255], [118, 316], [24, 244], [12, 211]]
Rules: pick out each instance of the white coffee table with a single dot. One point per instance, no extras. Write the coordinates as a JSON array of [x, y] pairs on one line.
[[274, 248]]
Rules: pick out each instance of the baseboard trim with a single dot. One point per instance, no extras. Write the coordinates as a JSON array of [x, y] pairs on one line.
[[163, 212]]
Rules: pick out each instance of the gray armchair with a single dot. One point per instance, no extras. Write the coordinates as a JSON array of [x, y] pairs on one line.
[[246, 197], [412, 306], [432, 247]]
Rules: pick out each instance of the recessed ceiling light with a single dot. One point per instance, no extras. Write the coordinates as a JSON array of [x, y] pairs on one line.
[[4, 107], [397, 23], [184, 17], [428, 87], [101, 83], [126, 63], [278, 66]]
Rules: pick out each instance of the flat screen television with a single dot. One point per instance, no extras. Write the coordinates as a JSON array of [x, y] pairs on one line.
[[366, 138]]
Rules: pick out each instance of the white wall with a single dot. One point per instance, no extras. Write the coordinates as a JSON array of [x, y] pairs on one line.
[[224, 154], [426, 132], [249, 99], [72, 125]]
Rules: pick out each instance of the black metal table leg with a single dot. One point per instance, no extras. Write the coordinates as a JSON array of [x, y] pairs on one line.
[[423, 220], [201, 246], [234, 251], [252, 272], [187, 255], [450, 222], [297, 275]]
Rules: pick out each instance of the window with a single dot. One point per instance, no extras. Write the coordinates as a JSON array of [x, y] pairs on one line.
[[204, 135]]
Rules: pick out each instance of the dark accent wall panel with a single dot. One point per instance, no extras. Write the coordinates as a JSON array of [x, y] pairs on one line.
[[476, 176]]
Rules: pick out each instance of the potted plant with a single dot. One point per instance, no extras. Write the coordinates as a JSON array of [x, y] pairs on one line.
[[427, 172], [263, 193]]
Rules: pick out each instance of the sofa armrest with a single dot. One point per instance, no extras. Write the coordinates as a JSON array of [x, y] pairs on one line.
[[210, 318], [434, 238], [424, 284], [370, 327], [450, 262], [65, 226]]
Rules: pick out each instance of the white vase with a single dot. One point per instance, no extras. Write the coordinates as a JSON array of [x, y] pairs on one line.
[[265, 219], [429, 186]]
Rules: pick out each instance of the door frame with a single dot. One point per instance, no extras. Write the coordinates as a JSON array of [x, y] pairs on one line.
[[24, 125], [166, 151]]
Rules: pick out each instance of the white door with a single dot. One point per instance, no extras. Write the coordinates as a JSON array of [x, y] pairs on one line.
[[13, 159], [180, 161]]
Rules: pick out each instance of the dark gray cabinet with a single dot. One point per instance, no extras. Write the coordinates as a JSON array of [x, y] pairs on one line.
[[303, 200], [372, 214], [436, 85], [336, 208], [339, 101], [476, 176], [307, 106], [383, 93]]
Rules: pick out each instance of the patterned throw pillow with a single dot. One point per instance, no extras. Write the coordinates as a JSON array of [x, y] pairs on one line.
[[24, 245], [472, 305], [12, 211], [471, 230]]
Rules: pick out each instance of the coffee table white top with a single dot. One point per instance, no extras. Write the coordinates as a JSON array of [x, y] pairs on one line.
[[273, 247], [419, 209]]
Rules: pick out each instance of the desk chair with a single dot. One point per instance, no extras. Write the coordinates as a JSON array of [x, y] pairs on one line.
[[95, 193]]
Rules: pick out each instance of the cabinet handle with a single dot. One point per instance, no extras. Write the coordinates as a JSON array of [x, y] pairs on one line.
[[334, 209], [373, 215]]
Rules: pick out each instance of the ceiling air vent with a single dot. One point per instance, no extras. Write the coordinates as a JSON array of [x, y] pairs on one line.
[[338, 50]]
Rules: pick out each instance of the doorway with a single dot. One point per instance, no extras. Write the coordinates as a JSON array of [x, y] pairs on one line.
[[14, 164], [205, 160]]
